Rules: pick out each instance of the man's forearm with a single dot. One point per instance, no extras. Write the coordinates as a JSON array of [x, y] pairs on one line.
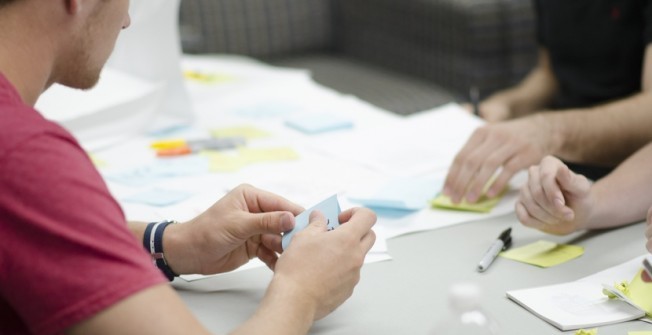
[[534, 92], [604, 135], [285, 309], [625, 195]]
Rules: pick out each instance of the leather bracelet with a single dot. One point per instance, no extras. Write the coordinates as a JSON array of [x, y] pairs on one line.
[[153, 243]]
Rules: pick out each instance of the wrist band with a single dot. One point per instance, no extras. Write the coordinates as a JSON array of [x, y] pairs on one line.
[[153, 243]]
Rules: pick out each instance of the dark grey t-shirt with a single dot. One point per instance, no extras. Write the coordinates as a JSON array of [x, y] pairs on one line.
[[596, 47]]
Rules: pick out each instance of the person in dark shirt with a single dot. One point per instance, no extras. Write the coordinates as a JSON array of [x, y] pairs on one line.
[[594, 71]]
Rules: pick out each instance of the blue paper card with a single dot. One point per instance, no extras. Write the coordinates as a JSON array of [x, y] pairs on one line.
[[158, 197], [318, 123], [329, 207], [408, 194]]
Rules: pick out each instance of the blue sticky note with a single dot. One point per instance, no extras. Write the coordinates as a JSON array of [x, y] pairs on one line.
[[158, 197], [160, 170], [408, 194], [329, 207], [318, 123]]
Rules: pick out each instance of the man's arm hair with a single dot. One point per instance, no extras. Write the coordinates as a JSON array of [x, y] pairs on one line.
[[607, 134]]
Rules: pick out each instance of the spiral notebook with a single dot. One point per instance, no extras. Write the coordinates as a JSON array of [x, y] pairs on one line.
[[581, 304]]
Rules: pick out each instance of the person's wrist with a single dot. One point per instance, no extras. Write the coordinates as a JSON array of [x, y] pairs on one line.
[[179, 249], [290, 299]]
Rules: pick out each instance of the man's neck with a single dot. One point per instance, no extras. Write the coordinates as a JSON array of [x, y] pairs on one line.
[[25, 59]]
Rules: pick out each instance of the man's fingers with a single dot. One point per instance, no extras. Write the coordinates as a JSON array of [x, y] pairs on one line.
[[267, 256], [266, 223], [260, 201], [272, 242], [317, 222], [360, 222], [572, 183]]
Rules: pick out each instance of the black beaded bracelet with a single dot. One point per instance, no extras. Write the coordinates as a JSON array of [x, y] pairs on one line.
[[153, 243]]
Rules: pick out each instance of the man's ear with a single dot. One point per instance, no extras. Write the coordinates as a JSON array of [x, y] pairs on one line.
[[73, 6]]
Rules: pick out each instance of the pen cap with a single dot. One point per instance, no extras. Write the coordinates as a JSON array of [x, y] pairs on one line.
[[464, 297]]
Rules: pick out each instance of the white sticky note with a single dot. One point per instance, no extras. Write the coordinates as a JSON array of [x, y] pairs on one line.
[[329, 207]]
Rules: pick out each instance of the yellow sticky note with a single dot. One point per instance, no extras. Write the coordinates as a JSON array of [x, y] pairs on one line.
[[593, 331], [544, 253], [640, 293], [207, 78], [483, 205], [640, 333], [99, 163], [254, 155], [224, 162], [248, 132]]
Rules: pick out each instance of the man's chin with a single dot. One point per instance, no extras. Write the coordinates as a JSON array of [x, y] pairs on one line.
[[81, 82]]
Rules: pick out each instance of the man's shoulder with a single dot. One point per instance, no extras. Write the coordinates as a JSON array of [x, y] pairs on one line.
[[22, 123]]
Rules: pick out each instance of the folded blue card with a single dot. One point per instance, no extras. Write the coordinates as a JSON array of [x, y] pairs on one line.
[[329, 207], [318, 123]]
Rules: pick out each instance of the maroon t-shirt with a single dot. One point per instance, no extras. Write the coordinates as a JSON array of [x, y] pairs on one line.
[[66, 252]]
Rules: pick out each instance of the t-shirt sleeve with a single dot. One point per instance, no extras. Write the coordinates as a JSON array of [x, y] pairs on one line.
[[66, 251]]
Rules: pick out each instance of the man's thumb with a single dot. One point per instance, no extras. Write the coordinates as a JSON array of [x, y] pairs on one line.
[[269, 223], [572, 183], [317, 221]]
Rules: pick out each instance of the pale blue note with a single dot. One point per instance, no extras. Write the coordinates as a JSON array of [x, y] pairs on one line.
[[266, 109], [161, 169], [329, 207], [318, 123], [408, 194], [158, 197]]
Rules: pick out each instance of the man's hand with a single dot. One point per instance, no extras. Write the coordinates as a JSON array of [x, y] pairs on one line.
[[245, 223], [555, 200], [324, 266], [509, 146]]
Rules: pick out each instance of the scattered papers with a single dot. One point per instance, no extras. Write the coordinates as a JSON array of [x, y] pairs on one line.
[[318, 123], [544, 253], [418, 144]]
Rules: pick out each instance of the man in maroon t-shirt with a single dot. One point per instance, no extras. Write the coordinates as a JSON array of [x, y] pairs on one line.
[[68, 260]]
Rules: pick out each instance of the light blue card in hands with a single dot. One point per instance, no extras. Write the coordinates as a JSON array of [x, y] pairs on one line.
[[329, 207], [318, 123]]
